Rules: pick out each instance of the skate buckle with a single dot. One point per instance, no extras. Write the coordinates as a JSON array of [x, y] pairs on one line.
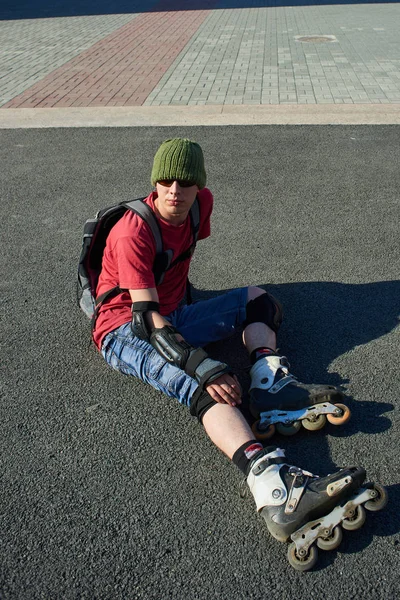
[[260, 468], [296, 490], [281, 384], [334, 488]]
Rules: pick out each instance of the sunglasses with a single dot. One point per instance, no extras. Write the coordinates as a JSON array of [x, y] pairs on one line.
[[180, 182]]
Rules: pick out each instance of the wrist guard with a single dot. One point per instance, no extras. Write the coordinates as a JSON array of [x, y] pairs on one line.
[[194, 361]]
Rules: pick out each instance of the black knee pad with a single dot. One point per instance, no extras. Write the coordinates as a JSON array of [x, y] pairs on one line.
[[264, 309], [200, 404]]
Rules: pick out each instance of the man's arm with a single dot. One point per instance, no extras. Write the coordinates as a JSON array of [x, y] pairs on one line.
[[223, 388]]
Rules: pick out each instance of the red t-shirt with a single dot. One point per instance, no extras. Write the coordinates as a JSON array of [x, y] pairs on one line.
[[128, 263]]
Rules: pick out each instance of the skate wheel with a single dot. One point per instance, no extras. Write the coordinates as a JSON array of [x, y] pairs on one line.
[[302, 563], [319, 423], [343, 418], [332, 541], [356, 521], [379, 501], [262, 434], [288, 430]]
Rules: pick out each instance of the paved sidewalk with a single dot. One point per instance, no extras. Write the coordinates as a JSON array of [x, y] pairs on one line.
[[226, 52]]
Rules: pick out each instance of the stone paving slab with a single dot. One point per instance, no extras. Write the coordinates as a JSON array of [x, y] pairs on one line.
[[222, 53], [254, 56]]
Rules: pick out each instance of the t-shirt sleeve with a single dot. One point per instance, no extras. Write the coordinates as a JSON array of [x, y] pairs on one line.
[[206, 206], [135, 258]]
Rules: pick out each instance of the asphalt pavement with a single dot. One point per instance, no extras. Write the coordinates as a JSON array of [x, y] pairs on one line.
[[111, 490]]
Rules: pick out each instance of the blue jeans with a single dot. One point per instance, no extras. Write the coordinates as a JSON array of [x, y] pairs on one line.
[[200, 323]]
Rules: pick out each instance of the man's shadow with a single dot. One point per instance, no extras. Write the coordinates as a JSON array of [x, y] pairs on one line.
[[322, 322]]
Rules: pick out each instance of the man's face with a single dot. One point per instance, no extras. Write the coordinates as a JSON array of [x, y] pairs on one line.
[[175, 200]]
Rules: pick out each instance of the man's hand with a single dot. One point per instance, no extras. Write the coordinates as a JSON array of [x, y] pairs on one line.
[[225, 390]]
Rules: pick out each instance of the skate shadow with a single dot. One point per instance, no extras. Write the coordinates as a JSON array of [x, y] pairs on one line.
[[324, 321], [384, 526], [377, 524], [366, 418]]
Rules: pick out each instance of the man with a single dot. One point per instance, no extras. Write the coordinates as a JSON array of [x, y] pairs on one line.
[[150, 333]]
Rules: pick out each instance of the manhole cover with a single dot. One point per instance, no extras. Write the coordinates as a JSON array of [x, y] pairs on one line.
[[315, 39]]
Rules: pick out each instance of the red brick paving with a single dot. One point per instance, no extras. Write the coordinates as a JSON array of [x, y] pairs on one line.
[[120, 70]]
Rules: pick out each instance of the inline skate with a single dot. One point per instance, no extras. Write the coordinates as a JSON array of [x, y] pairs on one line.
[[281, 403], [308, 510]]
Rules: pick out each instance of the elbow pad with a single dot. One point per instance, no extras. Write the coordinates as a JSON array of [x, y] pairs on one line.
[[139, 325], [194, 361]]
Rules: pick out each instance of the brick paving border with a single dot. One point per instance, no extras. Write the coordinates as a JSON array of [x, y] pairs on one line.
[[119, 70], [31, 49]]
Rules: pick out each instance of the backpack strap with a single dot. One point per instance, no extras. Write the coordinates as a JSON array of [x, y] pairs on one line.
[[145, 212], [163, 257], [195, 219], [100, 301]]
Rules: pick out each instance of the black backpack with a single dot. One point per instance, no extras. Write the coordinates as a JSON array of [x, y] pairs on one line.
[[95, 233]]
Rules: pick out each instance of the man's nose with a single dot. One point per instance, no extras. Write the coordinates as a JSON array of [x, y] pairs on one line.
[[175, 187]]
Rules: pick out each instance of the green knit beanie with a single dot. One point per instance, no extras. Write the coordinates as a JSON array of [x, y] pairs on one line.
[[179, 159]]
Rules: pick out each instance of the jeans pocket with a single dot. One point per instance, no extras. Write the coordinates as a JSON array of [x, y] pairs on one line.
[[154, 363], [111, 351]]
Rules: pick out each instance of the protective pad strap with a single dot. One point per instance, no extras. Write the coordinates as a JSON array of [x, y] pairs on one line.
[[200, 404], [195, 358], [272, 456], [264, 309], [145, 306], [209, 370]]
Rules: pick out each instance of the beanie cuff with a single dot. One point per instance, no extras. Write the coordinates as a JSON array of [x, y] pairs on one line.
[[179, 159]]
